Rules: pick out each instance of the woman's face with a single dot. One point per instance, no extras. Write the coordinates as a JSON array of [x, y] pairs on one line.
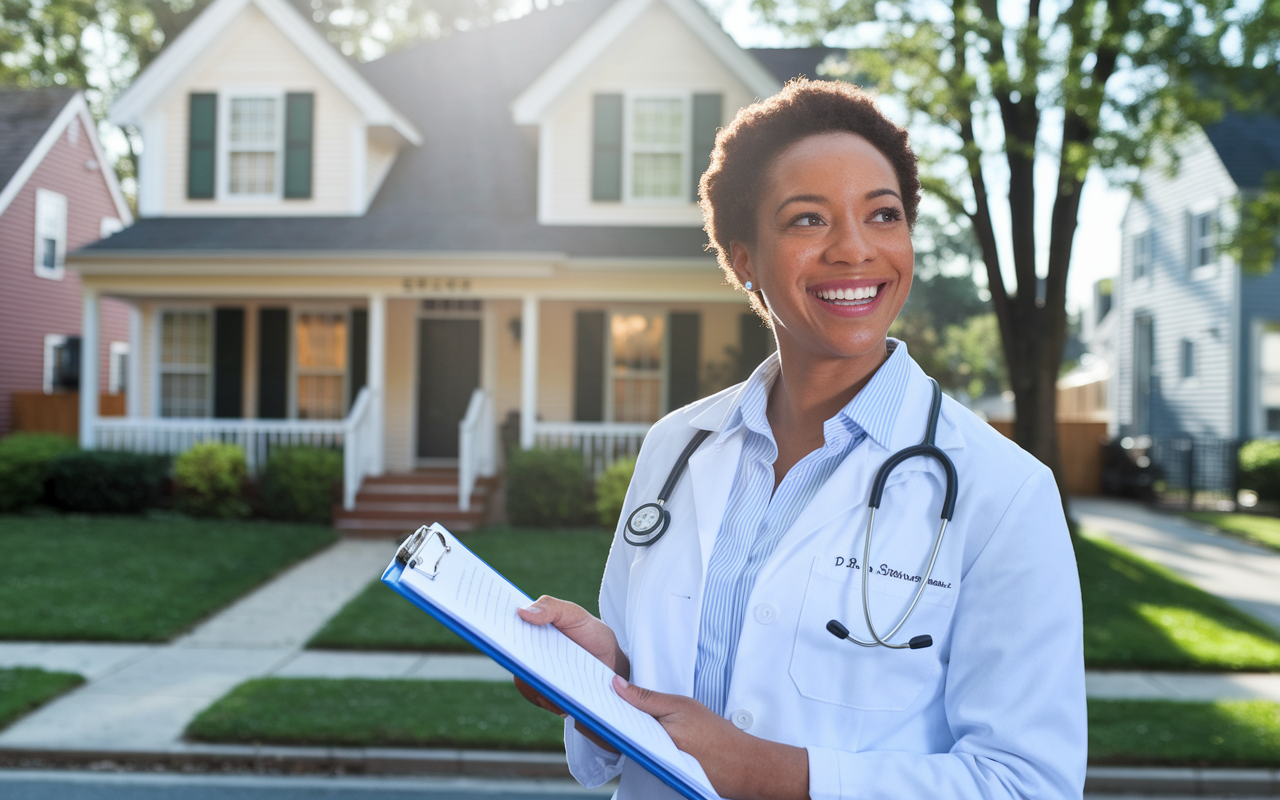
[[832, 254]]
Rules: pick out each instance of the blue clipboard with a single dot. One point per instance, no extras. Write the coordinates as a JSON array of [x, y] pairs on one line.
[[391, 577]]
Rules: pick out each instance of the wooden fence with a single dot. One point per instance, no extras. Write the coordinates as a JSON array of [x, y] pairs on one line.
[[60, 412], [1080, 447]]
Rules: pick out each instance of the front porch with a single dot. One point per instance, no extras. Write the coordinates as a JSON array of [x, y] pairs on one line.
[[417, 385]]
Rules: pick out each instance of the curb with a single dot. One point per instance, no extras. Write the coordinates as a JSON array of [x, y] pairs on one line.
[[188, 758], [294, 760], [1183, 781]]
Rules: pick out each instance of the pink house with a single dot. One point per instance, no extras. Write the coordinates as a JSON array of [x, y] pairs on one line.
[[57, 194]]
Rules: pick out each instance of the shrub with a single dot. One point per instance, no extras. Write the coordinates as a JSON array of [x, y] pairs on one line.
[[24, 467], [298, 483], [547, 487], [210, 480], [1260, 468], [95, 481], [611, 490]]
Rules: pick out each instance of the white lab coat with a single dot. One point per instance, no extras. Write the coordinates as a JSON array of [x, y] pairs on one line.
[[994, 709]]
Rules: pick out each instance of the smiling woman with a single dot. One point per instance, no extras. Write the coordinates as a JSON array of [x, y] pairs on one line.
[[779, 645]]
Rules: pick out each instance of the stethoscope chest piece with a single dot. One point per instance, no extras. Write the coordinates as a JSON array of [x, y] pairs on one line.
[[646, 524]]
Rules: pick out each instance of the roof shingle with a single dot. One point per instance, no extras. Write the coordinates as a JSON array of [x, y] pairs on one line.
[[25, 115]]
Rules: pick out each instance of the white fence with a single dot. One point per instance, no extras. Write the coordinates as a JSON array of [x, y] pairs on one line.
[[476, 446], [357, 436], [601, 443]]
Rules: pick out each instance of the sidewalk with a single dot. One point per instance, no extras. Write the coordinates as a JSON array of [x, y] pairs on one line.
[[1245, 575]]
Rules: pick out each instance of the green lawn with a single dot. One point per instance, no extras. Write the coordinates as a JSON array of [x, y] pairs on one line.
[[1138, 615], [23, 689], [127, 578], [562, 563], [1228, 733], [373, 713], [1254, 528]]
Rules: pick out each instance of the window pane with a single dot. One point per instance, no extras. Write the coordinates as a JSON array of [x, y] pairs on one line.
[[50, 258], [656, 175], [657, 121], [184, 338], [253, 123], [184, 395], [637, 366], [252, 173], [319, 397], [1269, 363], [322, 341]]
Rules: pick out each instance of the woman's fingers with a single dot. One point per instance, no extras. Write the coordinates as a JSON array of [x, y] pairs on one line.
[[531, 694], [547, 610], [655, 704], [580, 626]]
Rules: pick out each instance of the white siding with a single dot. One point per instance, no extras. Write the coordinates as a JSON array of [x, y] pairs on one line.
[[658, 53], [1200, 307]]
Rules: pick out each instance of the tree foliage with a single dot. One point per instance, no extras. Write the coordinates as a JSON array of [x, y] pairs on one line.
[[996, 90], [1253, 240]]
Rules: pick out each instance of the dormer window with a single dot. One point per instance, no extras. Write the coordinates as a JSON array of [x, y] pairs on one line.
[[254, 142], [658, 148]]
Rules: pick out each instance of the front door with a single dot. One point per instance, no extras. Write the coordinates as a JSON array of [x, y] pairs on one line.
[[448, 372]]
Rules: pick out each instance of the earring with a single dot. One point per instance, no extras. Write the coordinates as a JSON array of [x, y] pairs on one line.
[[748, 286]]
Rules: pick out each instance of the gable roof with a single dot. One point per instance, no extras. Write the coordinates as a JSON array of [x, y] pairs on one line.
[[31, 120], [1249, 146], [201, 32], [551, 82]]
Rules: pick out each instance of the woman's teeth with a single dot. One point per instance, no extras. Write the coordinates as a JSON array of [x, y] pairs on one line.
[[857, 296]]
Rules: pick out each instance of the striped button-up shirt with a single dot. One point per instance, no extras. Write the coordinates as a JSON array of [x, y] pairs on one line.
[[756, 516]]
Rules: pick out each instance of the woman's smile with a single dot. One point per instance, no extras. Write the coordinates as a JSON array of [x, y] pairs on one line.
[[850, 298]]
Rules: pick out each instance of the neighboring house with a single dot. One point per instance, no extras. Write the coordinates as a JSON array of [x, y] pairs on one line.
[[1197, 341], [509, 210], [57, 194], [1087, 392]]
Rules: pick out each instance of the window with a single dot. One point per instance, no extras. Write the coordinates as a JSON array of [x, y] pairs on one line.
[[118, 368], [321, 367], [1188, 359], [657, 149], [635, 380], [253, 144], [51, 234], [1204, 250], [186, 356], [1269, 376], [1142, 247], [61, 363]]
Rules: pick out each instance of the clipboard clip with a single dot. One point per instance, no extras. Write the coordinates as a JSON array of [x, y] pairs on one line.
[[410, 554]]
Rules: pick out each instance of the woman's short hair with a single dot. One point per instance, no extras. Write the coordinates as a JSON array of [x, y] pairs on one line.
[[747, 147]]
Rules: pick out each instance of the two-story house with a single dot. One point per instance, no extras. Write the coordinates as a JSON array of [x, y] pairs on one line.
[[57, 194], [1198, 341], [498, 224]]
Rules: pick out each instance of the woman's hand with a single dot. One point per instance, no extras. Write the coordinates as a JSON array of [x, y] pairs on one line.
[[589, 633], [739, 765]]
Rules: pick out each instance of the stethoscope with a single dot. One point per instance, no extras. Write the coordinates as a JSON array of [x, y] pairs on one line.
[[649, 522]]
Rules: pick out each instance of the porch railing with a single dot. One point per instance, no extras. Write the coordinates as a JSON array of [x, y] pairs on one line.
[[601, 443], [476, 456], [356, 435]]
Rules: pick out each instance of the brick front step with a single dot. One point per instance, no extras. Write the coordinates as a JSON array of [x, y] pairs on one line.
[[395, 505]]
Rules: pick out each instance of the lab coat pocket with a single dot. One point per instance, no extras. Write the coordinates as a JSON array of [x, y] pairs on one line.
[[832, 670]]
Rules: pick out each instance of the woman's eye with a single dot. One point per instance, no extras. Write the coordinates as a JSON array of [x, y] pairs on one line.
[[808, 220], [887, 214]]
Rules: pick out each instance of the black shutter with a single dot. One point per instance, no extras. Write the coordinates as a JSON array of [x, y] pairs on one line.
[[606, 148], [588, 367], [754, 344], [273, 363], [202, 138], [359, 350], [299, 109], [684, 346], [228, 363], [706, 121]]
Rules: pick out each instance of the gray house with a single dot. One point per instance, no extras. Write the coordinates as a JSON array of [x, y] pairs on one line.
[[1198, 341]]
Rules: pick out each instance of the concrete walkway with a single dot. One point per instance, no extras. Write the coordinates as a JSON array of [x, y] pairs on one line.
[[1246, 575], [141, 697]]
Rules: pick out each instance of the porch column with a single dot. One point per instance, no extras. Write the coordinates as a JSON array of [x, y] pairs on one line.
[[88, 368], [376, 372], [133, 378], [528, 371]]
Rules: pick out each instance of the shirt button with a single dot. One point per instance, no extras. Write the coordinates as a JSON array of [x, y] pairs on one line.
[[766, 613], [742, 719]]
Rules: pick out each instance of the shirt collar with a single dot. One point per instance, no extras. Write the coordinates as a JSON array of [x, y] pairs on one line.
[[874, 409]]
